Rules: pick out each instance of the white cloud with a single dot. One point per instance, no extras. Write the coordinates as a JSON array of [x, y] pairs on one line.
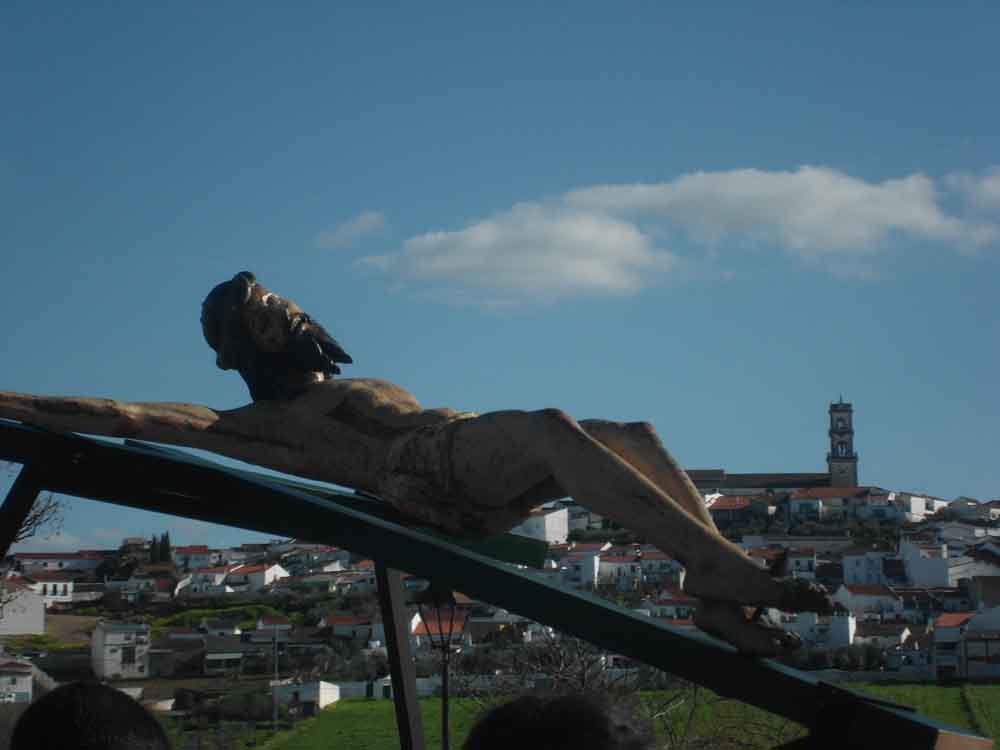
[[600, 239], [811, 212], [981, 191], [533, 250], [346, 233]]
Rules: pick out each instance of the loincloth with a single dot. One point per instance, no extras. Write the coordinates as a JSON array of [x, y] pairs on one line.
[[419, 481]]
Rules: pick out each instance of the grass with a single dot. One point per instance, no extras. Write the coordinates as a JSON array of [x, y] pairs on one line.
[[716, 722], [371, 725], [984, 705], [20, 643], [941, 702]]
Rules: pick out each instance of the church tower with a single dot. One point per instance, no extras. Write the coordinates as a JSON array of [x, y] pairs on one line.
[[842, 460]]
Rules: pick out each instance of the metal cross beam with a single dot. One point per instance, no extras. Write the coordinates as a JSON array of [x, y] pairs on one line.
[[171, 482]]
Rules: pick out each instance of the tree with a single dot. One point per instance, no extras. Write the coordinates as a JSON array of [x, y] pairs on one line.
[[46, 514], [165, 549], [154, 550]]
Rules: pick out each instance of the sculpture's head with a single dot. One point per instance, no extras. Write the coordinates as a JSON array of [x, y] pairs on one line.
[[220, 316]]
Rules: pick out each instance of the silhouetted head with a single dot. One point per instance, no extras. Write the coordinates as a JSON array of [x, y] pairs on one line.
[[220, 315], [87, 716], [569, 722]]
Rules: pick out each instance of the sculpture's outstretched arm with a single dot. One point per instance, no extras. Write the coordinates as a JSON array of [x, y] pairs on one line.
[[266, 433]]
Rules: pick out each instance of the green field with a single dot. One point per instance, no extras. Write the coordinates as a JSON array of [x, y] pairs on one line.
[[370, 725]]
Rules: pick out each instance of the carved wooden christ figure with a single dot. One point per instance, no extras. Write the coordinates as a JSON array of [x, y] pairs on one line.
[[463, 472]]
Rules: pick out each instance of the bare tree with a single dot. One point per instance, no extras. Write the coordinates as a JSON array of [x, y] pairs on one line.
[[46, 514]]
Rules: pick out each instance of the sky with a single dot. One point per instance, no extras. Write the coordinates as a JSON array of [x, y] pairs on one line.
[[717, 219]]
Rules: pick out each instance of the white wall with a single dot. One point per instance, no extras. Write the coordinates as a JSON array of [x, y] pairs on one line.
[[22, 612]]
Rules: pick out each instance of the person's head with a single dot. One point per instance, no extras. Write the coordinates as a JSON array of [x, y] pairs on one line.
[[87, 716], [566, 722]]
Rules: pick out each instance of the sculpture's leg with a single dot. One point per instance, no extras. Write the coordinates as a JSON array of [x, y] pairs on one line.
[[638, 445], [493, 456]]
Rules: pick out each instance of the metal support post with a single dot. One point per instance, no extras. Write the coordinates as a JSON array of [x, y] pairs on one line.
[[404, 677]]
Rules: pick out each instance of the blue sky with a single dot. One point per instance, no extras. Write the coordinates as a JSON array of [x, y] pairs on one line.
[[718, 220]]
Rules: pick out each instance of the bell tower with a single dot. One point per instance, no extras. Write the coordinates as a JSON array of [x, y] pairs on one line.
[[842, 461]]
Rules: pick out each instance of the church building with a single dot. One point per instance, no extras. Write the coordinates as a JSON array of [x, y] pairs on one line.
[[841, 463]]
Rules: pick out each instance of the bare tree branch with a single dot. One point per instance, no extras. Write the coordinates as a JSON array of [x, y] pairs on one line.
[[46, 514]]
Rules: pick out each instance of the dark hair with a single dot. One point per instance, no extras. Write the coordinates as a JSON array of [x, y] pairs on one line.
[[87, 716], [569, 722]]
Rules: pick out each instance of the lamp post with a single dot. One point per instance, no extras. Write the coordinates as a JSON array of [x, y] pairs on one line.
[[437, 610]]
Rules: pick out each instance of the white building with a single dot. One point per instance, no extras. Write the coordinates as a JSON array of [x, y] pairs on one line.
[[194, 556], [863, 566], [83, 561], [16, 681], [550, 524], [120, 650], [22, 609], [801, 563], [980, 649], [54, 587], [836, 631], [580, 570], [622, 571], [948, 630], [210, 580], [659, 567], [868, 599], [309, 697], [253, 578], [926, 564]]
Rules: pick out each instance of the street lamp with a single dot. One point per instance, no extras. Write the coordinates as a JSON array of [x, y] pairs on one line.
[[437, 609]]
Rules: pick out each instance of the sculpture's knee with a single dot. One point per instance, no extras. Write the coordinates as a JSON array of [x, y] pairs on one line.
[[643, 429]]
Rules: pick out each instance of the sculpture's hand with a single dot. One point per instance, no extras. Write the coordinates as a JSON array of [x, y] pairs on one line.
[[758, 636]]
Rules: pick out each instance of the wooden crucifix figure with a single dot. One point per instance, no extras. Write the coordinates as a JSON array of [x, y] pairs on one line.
[[466, 473]]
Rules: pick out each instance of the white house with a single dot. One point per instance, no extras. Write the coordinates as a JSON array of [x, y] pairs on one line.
[[210, 580], [659, 567], [354, 627], [16, 680], [83, 561], [120, 650], [836, 631], [549, 523], [580, 570], [801, 563], [623, 571], [194, 556], [253, 578], [22, 609], [926, 564], [863, 566], [675, 605], [883, 635], [53, 586], [947, 636], [980, 648], [308, 697], [868, 599], [967, 568]]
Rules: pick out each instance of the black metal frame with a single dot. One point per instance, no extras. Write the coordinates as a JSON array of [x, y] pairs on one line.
[[174, 482]]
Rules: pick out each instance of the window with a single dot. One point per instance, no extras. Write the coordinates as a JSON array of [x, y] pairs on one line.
[[128, 655], [45, 589], [65, 589]]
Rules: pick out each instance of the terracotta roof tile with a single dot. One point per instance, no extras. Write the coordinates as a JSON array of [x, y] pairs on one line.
[[953, 619]]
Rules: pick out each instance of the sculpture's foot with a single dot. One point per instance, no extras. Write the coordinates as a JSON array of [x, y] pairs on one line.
[[802, 595], [755, 637], [760, 589]]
